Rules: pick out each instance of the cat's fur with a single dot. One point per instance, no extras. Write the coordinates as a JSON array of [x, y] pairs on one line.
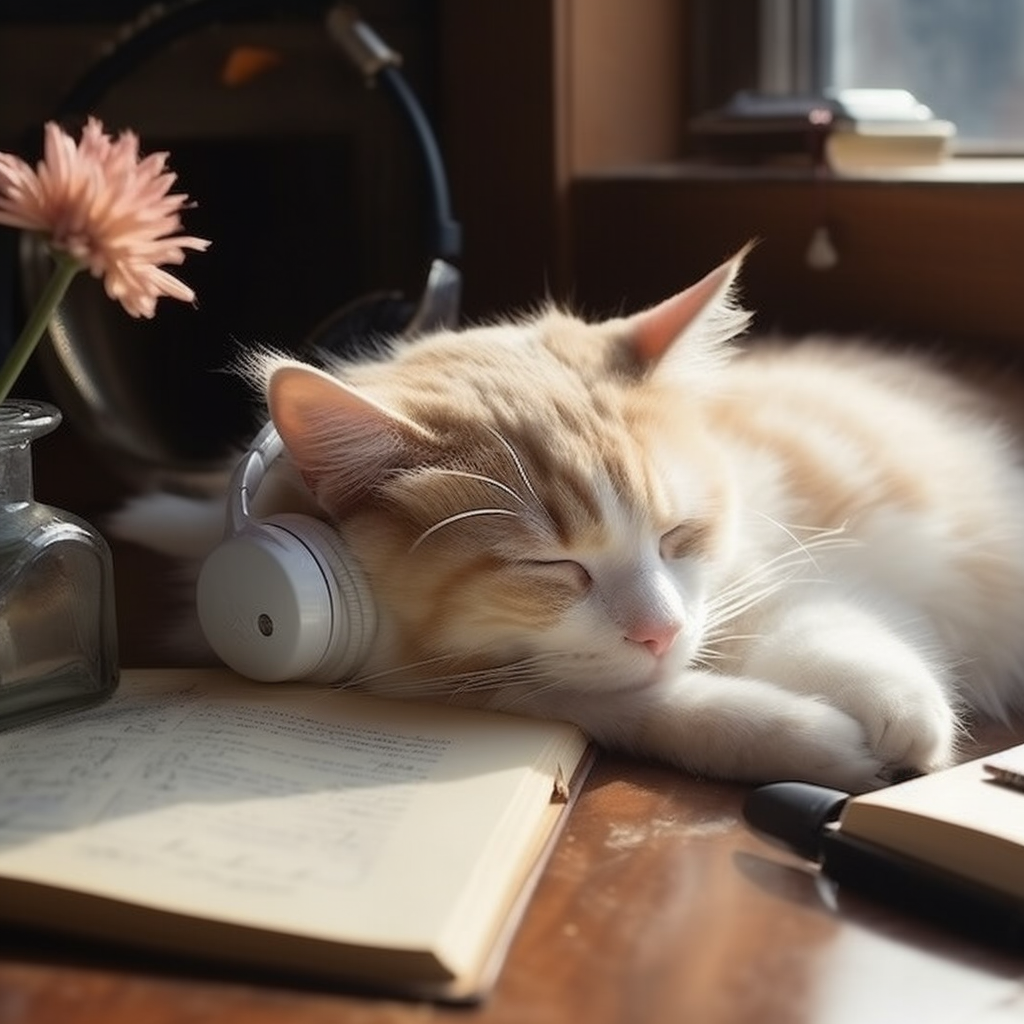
[[801, 561]]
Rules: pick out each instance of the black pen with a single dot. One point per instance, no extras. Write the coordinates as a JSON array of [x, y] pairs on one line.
[[805, 819]]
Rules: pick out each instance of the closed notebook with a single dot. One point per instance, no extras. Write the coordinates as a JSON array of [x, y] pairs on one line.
[[965, 819]]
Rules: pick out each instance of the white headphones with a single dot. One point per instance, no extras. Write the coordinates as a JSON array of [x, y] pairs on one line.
[[281, 598]]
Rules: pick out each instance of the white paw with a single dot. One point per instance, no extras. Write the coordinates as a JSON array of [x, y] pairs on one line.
[[909, 728], [884, 684], [829, 747]]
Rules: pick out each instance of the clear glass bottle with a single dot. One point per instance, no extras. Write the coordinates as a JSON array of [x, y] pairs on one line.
[[58, 627]]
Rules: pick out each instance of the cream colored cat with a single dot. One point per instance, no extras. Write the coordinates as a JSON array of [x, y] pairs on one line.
[[787, 561]]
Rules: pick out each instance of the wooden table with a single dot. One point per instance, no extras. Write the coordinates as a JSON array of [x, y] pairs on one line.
[[658, 905]]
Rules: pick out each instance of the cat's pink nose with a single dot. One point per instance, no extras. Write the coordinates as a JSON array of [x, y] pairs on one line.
[[657, 637]]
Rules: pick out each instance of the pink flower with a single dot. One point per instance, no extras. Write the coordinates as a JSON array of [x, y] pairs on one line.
[[107, 208]]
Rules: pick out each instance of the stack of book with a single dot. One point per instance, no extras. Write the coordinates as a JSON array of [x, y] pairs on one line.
[[852, 131]]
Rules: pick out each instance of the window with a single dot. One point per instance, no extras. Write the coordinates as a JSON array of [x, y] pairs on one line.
[[962, 58]]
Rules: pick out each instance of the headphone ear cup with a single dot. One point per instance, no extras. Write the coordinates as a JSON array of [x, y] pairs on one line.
[[281, 601], [354, 626]]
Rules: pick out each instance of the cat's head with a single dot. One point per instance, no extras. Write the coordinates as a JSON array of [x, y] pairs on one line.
[[537, 497]]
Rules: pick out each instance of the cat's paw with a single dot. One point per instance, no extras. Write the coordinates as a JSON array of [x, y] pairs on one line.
[[747, 730], [850, 659], [909, 728], [828, 747]]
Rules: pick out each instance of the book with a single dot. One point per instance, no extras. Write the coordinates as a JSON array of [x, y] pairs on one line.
[[853, 132], [864, 147], [962, 820], [282, 827], [879, 129]]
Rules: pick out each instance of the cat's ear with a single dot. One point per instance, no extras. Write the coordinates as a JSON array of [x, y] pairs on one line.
[[340, 440], [696, 323]]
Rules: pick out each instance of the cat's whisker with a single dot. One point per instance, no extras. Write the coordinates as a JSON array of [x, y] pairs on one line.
[[483, 478], [701, 661], [458, 517], [794, 557], [373, 677], [709, 656], [792, 529], [497, 683], [444, 681], [731, 638], [738, 597], [554, 683], [398, 682], [773, 568], [719, 616], [520, 469], [526, 673], [721, 612], [763, 582]]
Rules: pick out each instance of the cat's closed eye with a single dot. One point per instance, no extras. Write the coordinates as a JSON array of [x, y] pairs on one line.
[[561, 570], [686, 539]]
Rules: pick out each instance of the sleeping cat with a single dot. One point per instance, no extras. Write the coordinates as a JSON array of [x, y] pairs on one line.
[[777, 561]]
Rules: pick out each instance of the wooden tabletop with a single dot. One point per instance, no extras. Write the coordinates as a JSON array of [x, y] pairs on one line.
[[658, 905]]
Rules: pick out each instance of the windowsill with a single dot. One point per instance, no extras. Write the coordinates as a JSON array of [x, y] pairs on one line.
[[931, 253], [956, 170]]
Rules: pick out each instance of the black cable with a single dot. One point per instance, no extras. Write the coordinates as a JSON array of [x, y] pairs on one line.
[[447, 231]]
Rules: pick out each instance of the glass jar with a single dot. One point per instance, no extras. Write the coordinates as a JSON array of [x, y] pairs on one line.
[[58, 630]]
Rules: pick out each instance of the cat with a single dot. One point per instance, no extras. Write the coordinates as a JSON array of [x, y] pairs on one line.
[[750, 559]]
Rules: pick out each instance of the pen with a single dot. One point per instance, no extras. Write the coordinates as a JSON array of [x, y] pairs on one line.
[[805, 819]]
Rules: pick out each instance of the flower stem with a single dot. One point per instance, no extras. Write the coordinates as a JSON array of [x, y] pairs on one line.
[[65, 269]]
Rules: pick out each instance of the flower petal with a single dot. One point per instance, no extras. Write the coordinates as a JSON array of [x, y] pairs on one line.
[[109, 207]]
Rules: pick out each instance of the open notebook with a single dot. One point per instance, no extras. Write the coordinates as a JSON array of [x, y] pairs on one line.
[[370, 841]]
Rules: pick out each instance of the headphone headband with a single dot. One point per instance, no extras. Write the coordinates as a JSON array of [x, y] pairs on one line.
[[249, 474], [362, 46]]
